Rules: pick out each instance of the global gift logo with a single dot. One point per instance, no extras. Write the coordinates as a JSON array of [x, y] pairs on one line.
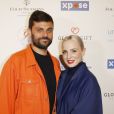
[[75, 30]]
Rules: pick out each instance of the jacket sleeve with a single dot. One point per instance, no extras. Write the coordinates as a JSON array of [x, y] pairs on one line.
[[90, 100], [8, 88]]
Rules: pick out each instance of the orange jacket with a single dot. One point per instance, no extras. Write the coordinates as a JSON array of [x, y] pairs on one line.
[[23, 88]]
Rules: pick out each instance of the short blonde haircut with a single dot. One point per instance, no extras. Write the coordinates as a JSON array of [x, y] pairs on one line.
[[76, 37]]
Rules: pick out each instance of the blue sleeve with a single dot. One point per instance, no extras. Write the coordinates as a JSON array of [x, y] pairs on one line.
[[90, 100]]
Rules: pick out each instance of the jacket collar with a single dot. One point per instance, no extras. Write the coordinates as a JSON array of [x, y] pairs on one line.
[[77, 76], [30, 57], [31, 61]]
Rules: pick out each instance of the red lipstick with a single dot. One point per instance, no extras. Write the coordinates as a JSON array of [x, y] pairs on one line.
[[70, 61]]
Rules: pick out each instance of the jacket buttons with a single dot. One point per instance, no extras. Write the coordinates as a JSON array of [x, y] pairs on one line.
[[29, 81]]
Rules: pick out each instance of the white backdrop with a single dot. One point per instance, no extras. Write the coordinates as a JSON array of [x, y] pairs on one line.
[[93, 20]]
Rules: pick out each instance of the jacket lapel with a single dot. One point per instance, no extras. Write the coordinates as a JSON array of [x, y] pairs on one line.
[[64, 89]]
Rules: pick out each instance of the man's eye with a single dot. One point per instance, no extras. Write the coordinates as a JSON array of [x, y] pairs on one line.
[[39, 30], [50, 30]]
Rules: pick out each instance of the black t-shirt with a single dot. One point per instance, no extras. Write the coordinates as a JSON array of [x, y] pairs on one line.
[[47, 68]]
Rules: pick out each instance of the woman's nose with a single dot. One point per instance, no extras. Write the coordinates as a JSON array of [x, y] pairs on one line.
[[68, 55]]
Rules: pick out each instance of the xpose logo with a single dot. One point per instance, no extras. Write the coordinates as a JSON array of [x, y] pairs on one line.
[[75, 5], [110, 63]]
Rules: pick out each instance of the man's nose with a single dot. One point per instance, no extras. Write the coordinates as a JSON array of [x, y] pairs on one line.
[[45, 34]]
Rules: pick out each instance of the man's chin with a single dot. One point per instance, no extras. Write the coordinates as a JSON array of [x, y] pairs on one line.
[[42, 47]]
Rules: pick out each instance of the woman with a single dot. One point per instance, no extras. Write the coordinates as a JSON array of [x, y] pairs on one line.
[[78, 90]]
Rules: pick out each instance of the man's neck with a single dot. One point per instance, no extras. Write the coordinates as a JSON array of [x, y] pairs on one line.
[[38, 50]]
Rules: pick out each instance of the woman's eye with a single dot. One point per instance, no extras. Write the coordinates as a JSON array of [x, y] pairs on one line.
[[63, 52], [74, 50]]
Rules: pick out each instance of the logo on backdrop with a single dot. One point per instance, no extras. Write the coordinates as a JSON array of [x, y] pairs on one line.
[[74, 31], [109, 95], [26, 2], [110, 63], [110, 32], [75, 5], [110, 35], [24, 10], [110, 11]]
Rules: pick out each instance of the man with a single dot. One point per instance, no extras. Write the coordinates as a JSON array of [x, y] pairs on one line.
[[29, 78]]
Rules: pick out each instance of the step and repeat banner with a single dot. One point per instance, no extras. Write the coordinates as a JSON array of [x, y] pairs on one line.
[[93, 20]]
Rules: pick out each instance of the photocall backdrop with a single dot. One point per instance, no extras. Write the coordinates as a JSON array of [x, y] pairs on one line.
[[93, 20]]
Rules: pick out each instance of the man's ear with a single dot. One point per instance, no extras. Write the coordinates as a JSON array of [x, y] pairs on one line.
[[29, 33]]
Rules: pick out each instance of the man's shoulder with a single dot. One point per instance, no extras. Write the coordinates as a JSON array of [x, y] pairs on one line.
[[16, 59], [19, 54]]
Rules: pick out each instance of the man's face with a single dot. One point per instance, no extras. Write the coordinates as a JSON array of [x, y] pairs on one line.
[[42, 34]]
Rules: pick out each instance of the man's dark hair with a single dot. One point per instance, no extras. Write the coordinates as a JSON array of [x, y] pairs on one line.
[[39, 16]]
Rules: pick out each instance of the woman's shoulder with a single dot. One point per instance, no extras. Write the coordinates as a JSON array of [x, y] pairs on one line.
[[92, 81]]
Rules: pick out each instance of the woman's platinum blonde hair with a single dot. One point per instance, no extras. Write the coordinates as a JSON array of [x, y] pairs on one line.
[[75, 37]]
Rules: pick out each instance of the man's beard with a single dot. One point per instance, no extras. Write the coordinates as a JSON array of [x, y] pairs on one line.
[[38, 43]]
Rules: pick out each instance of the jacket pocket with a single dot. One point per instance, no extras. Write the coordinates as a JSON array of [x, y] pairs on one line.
[[29, 90], [29, 97]]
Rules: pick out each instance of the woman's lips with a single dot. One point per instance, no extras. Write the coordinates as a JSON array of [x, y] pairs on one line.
[[70, 61]]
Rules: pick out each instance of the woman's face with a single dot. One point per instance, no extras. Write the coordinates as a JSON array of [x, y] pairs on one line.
[[72, 52]]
